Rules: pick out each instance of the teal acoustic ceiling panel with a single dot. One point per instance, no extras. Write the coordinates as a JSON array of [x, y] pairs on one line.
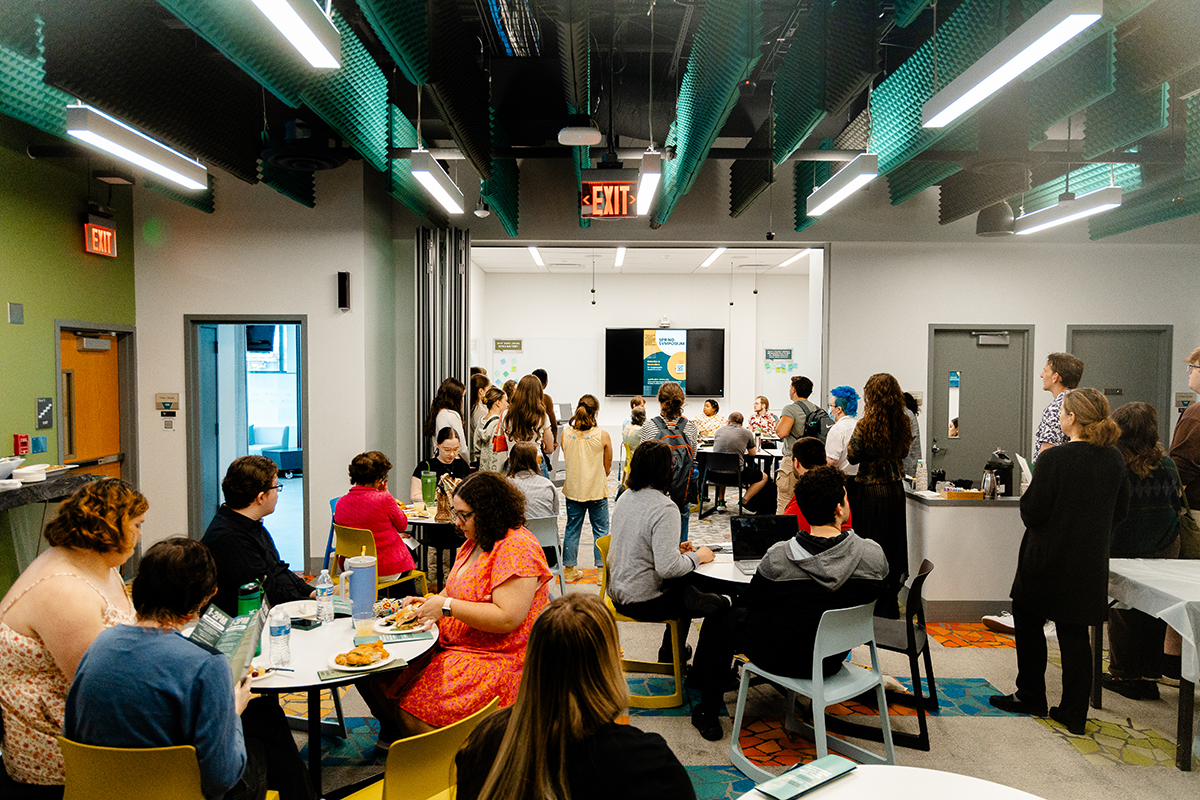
[[1079, 81], [907, 11], [723, 54], [402, 28], [353, 99], [914, 177], [240, 31], [1169, 199], [201, 201], [1087, 178], [1116, 12], [574, 53], [748, 178], [799, 97], [402, 185], [806, 176], [297, 185], [1191, 144], [23, 93], [501, 189], [1126, 115]]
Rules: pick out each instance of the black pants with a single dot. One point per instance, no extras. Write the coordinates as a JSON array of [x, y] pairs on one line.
[[1135, 639], [273, 761], [678, 601], [12, 790], [1031, 662]]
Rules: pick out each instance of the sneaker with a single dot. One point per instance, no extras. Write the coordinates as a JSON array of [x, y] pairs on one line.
[[1013, 705], [704, 603], [571, 574], [1001, 623], [720, 505], [709, 725], [1050, 631]]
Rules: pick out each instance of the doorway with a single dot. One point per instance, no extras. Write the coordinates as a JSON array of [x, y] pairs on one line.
[[1128, 363], [981, 378], [246, 381]]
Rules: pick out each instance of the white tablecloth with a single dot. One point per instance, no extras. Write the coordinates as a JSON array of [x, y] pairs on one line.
[[1167, 589]]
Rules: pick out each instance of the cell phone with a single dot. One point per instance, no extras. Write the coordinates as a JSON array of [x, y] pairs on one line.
[[716, 548], [306, 624]]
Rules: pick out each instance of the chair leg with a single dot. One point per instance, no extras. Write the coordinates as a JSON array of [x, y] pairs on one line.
[[921, 699], [933, 698], [885, 723], [820, 737], [337, 707], [736, 756]]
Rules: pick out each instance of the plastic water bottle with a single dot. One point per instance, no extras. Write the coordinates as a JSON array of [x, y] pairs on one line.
[[324, 597], [281, 633]]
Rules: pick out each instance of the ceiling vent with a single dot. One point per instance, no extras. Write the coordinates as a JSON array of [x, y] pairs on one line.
[[302, 152], [995, 220]]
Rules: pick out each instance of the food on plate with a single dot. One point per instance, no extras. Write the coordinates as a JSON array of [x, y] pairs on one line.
[[363, 655], [405, 619], [257, 672]]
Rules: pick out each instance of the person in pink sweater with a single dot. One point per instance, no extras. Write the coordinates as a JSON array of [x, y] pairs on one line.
[[370, 505]]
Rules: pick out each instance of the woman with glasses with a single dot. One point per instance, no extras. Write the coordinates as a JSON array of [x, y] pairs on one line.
[[497, 587], [447, 461]]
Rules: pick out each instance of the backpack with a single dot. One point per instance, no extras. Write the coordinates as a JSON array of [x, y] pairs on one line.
[[817, 421], [683, 457]]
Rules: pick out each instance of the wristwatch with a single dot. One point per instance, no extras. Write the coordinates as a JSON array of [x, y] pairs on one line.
[[446, 607]]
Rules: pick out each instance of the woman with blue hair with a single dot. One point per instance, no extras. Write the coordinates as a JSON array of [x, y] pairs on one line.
[[843, 407]]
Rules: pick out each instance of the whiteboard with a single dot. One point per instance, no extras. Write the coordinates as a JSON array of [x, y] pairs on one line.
[[573, 366]]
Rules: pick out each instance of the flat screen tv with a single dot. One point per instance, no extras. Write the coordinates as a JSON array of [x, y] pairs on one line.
[[639, 360]]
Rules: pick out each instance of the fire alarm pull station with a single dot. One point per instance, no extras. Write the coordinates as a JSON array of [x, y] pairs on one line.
[[20, 444]]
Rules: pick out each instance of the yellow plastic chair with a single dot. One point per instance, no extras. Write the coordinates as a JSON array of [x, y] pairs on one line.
[[421, 767], [350, 542], [674, 667], [120, 773]]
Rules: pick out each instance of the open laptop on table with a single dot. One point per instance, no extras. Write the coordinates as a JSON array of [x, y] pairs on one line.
[[753, 535]]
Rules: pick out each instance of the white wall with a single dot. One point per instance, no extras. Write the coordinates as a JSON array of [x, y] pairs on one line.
[[263, 254], [524, 305]]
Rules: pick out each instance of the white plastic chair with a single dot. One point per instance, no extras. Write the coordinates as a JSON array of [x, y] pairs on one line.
[[545, 529], [840, 630]]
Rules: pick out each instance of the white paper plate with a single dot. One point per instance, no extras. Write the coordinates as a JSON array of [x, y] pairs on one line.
[[293, 609], [380, 627], [364, 668]]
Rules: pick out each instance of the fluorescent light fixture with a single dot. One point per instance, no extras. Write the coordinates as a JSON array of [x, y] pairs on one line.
[[796, 257], [620, 256], [306, 26], [1069, 209], [858, 173], [1041, 35], [648, 178], [113, 136], [715, 255], [435, 180], [537, 257]]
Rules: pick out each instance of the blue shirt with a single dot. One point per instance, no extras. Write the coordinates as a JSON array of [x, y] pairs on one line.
[[149, 687]]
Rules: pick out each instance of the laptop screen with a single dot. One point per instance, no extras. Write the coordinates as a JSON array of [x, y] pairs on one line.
[[753, 536]]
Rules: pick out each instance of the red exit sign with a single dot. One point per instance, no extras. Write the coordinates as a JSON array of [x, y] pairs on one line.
[[608, 199], [100, 240]]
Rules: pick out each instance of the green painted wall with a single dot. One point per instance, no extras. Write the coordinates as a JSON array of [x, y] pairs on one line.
[[44, 267]]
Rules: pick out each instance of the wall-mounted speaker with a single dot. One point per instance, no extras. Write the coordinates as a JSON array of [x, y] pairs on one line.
[[344, 291]]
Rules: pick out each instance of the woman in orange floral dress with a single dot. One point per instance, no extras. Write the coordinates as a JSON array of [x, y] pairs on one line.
[[498, 586]]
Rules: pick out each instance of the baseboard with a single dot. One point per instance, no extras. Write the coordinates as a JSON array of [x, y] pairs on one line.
[[963, 610]]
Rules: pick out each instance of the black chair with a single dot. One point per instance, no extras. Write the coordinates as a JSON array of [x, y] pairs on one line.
[[721, 469], [905, 635]]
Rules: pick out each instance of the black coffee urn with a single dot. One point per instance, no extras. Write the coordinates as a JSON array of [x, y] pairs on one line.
[[1002, 465], [935, 477]]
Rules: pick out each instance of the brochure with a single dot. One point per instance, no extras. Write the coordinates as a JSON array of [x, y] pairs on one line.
[[235, 637], [799, 780]]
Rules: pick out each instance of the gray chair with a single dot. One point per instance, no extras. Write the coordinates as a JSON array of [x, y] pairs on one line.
[[263, 436], [721, 469], [545, 529]]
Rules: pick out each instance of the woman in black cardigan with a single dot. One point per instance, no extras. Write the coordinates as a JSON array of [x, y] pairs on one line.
[[1078, 491]]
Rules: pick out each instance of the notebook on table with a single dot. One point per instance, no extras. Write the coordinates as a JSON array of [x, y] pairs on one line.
[[753, 536]]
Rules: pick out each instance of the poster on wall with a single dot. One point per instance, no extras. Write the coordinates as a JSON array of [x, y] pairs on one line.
[[664, 359]]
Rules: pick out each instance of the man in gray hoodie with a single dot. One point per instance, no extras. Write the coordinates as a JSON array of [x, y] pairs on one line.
[[800, 579]]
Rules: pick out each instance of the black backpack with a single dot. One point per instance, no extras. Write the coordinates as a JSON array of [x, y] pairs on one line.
[[817, 421], [683, 456]]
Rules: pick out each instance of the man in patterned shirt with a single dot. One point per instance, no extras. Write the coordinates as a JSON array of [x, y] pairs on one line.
[[1062, 373]]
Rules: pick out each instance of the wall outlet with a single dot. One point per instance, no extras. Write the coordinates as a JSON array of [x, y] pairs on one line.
[[37, 444]]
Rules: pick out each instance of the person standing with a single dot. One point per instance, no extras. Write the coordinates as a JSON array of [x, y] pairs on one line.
[[527, 421], [446, 412], [1185, 444], [485, 442], [912, 410], [1077, 493], [548, 408], [843, 407], [588, 453], [680, 435], [1062, 373], [479, 410], [791, 427]]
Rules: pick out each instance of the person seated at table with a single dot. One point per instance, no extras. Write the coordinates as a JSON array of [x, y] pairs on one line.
[[447, 462], [648, 569], [762, 422], [497, 587], [56, 607], [240, 544], [369, 505], [734, 438], [524, 472], [810, 453], [711, 420], [145, 685], [561, 734], [631, 437], [488, 433], [635, 402], [798, 580]]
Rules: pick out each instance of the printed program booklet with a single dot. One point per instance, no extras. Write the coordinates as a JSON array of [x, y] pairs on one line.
[[235, 637], [799, 780]]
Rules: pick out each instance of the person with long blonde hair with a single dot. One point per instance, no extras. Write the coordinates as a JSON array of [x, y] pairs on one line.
[[563, 723], [878, 446], [526, 420], [1079, 490], [588, 453]]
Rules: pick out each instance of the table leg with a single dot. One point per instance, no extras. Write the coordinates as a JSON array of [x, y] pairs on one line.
[[314, 738], [1183, 750], [1097, 667]]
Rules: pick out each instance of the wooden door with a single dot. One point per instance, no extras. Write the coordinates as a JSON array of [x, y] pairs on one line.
[[91, 404]]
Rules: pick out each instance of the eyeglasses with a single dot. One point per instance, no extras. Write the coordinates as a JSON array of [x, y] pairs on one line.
[[1191, 367], [277, 487], [460, 516]]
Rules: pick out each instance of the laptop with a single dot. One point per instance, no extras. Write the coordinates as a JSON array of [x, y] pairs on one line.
[[753, 536]]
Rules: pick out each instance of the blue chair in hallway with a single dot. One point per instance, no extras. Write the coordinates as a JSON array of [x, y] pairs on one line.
[[329, 544]]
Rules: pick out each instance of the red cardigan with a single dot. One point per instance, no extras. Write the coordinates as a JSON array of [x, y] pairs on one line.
[[377, 511]]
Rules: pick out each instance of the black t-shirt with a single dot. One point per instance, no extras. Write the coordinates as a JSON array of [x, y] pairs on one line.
[[457, 468]]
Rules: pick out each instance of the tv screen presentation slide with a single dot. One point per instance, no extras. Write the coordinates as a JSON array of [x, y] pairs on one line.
[[664, 359]]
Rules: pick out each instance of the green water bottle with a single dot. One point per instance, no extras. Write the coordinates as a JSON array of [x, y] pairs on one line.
[[250, 601]]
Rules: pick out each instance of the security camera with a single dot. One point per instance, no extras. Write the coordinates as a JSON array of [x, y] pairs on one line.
[[770, 236]]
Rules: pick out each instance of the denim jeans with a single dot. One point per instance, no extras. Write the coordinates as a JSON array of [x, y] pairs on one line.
[[597, 511], [683, 524]]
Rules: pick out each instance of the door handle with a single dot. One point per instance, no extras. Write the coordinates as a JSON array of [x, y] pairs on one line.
[[934, 450]]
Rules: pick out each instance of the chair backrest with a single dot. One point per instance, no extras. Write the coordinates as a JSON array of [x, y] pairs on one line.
[[545, 530], [602, 545], [843, 629], [916, 604], [421, 766], [101, 773], [350, 542], [724, 462], [275, 435]]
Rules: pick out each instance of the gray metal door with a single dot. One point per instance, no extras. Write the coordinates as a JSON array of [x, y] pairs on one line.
[[1128, 363], [992, 400], [208, 375]]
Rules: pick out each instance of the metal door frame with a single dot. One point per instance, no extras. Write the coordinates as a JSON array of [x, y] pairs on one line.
[[1026, 388], [1165, 423]]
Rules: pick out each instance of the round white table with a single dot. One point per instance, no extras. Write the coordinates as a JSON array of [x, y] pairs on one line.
[[906, 783], [311, 650], [722, 568]]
